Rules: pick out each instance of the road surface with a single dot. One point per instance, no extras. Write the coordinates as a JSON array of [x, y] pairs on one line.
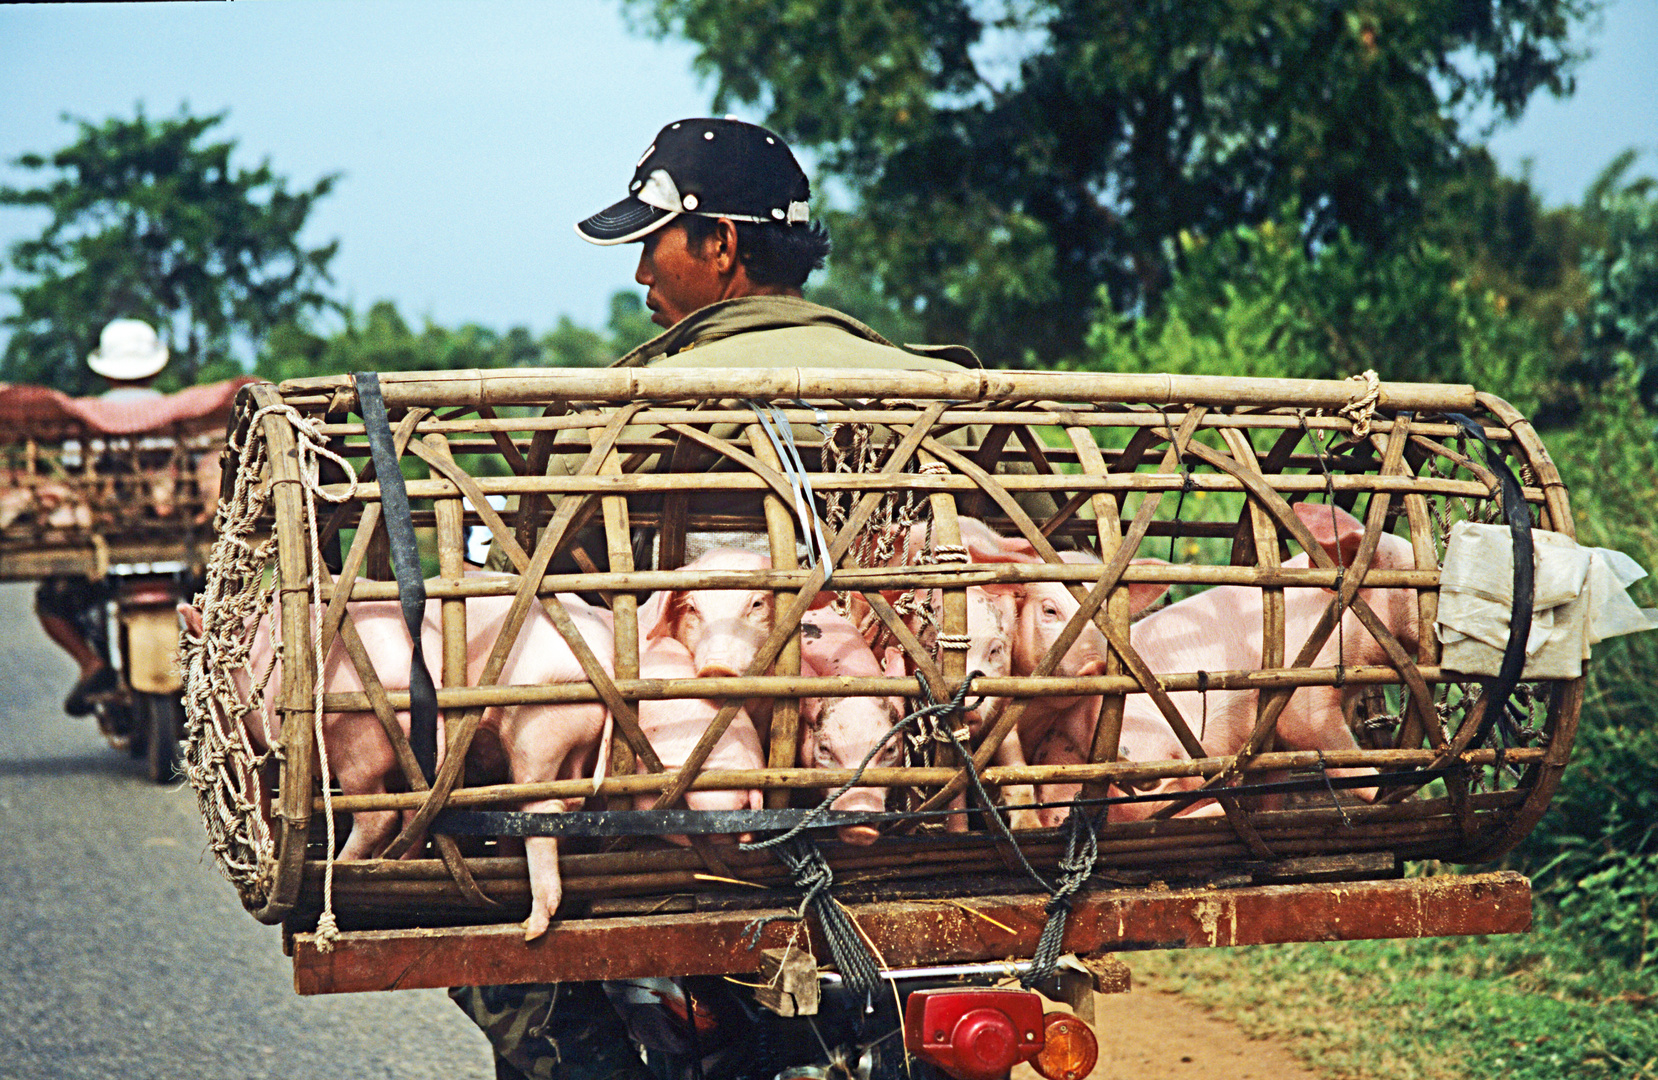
[[124, 954]]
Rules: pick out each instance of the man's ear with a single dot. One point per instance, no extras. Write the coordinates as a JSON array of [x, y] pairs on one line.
[[721, 245]]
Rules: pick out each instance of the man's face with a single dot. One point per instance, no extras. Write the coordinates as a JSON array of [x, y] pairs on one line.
[[679, 279]]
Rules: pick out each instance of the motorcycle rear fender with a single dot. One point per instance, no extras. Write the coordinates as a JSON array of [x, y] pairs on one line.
[[152, 650]]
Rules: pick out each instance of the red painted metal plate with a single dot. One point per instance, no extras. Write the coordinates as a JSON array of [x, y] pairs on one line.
[[912, 933]]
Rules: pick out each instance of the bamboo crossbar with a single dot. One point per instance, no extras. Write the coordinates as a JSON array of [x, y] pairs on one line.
[[861, 580], [650, 483], [929, 777], [828, 686], [1130, 835], [496, 388], [900, 415], [656, 871]]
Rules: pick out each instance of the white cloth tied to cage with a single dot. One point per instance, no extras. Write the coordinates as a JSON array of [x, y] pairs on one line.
[[1580, 598]]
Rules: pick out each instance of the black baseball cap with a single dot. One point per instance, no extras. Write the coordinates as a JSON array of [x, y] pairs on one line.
[[710, 168]]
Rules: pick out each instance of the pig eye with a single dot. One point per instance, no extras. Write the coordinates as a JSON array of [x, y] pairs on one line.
[[1050, 609]]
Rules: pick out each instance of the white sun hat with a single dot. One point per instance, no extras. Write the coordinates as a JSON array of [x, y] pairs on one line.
[[128, 350]]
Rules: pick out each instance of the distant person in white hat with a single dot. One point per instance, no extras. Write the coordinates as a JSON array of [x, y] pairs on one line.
[[129, 356]]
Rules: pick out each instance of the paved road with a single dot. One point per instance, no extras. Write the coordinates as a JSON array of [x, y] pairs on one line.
[[123, 954]]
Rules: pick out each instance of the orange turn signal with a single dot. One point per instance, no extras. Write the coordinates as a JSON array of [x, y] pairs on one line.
[[1070, 1050]]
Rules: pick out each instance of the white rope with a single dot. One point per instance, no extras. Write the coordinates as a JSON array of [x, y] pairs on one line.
[[311, 444], [218, 759]]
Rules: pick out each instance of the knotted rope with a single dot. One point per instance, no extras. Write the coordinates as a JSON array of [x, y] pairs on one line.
[[232, 605], [812, 874], [1362, 409], [1077, 866], [1081, 850]]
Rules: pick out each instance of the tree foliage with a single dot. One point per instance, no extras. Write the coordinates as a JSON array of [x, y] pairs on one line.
[[150, 219], [1254, 302], [1008, 159], [1620, 314], [381, 339]]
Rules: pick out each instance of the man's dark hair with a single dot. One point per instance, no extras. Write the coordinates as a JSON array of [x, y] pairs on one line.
[[773, 254]]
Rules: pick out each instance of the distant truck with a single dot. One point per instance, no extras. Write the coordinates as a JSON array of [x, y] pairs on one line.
[[119, 495]]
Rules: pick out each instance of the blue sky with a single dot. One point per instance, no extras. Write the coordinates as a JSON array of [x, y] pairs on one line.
[[471, 136]]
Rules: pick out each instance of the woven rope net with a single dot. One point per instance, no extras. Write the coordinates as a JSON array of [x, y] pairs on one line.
[[218, 756]]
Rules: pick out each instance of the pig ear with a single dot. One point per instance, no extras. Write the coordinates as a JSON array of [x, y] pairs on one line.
[[653, 615], [1143, 594], [191, 615], [895, 664], [821, 600], [1005, 588], [1015, 549], [1337, 532], [986, 545]]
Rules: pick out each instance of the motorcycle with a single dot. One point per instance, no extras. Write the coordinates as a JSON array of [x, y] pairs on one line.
[[144, 713], [938, 1022]]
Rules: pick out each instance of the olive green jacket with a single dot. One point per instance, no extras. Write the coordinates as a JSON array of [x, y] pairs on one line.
[[766, 332], [785, 331]]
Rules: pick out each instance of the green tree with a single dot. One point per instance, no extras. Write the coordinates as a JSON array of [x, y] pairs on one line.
[[1620, 317], [1254, 302], [630, 323], [152, 220], [1008, 159], [381, 339]]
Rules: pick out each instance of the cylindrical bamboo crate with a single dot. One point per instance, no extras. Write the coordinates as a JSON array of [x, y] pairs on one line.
[[608, 475]]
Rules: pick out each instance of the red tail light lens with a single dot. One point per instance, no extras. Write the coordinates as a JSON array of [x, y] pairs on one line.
[[1069, 1049], [150, 596], [974, 1034]]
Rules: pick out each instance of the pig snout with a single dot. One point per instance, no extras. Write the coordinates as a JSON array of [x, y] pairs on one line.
[[722, 629], [725, 651], [861, 800]]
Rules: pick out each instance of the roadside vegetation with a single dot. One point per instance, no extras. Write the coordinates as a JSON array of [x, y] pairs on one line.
[[1537, 1007]]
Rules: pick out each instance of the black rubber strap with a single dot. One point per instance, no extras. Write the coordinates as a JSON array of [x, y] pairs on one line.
[[405, 564], [1518, 513], [682, 821]]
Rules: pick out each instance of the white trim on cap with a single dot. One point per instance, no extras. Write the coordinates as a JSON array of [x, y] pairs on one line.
[[661, 192], [637, 234]]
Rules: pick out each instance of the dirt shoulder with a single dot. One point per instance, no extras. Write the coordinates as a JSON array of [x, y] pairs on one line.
[[1152, 1031]]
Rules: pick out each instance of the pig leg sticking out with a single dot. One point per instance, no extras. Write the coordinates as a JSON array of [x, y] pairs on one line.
[[541, 742]]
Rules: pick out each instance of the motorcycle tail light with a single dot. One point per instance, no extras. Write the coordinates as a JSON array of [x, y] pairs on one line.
[[150, 596], [974, 1034], [1069, 1049]]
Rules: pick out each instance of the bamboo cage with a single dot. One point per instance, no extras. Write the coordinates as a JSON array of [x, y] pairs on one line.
[[78, 495], [1202, 473]]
